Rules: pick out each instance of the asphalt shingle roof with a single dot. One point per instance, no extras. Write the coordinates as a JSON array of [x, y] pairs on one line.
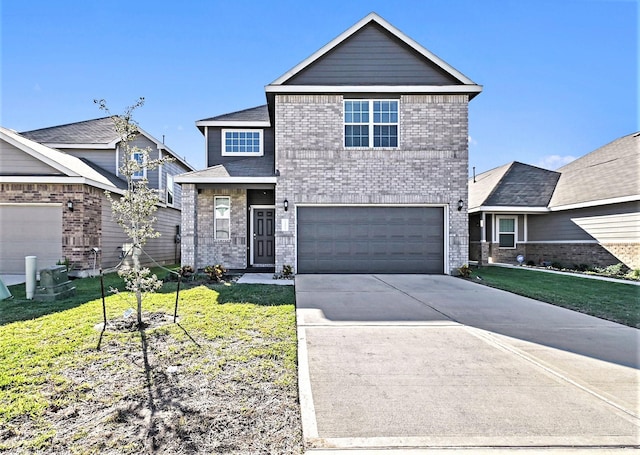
[[253, 114], [96, 131], [249, 167], [523, 185], [612, 171]]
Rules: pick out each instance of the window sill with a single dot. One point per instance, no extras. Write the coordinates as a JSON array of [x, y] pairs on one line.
[[256, 154]]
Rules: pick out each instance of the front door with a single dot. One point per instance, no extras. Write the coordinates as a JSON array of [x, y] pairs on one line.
[[263, 246]]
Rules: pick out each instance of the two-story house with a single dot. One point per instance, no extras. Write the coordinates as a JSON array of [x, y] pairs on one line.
[[357, 164], [53, 203]]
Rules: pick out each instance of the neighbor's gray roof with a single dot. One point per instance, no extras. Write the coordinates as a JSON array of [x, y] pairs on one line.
[[68, 165], [96, 131], [100, 131], [253, 114], [483, 184], [513, 185], [610, 172]]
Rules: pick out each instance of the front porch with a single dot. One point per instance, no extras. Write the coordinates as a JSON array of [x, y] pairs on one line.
[[229, 224]]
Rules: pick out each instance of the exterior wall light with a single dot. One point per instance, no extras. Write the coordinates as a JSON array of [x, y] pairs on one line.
[[286, 205], [460, 204], [70, 205]]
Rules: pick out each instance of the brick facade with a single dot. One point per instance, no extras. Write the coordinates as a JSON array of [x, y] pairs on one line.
[[199, 247], [430, 165], [81, 228]]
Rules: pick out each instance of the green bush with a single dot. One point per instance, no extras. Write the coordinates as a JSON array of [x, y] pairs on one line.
[[464, 271], [215, 272]]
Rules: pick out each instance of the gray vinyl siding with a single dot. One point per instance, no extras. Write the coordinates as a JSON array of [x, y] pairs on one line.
[[14, 161], [112, 237], [372, 56], [475, 231], [144, 143], [556, 226], [173, 168], [163, 249], [106, 159], [214, 147]]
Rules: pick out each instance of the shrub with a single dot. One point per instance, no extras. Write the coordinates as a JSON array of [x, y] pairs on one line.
[[634, 274], [464, 271], [616, 269], [286, 274], [530, 263], [215, 272], [556, 265]]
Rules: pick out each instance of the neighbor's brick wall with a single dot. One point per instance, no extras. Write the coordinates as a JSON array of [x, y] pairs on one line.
[[81, 229], [429, 167], [570, 254], [199, 247]]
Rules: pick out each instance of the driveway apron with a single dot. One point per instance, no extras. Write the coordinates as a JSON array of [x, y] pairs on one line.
[[435, 362]]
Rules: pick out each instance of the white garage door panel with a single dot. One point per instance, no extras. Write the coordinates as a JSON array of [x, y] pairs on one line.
[[29, 230]]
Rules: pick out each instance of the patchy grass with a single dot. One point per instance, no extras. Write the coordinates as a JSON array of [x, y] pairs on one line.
[[222, 380], [616, 302]]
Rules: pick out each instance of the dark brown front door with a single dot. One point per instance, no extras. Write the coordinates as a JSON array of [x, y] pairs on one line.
[[263, 236]]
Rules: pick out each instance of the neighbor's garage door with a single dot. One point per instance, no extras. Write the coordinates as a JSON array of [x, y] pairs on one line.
[[29, 230], [370, 239]]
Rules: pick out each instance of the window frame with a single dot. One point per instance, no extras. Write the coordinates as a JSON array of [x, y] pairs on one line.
[[170, 190], [499, 232], [217, 218], [223, 141], [371, 123], [143, 175]]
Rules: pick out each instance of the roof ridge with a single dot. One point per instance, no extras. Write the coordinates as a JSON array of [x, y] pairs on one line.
[[67, 124]]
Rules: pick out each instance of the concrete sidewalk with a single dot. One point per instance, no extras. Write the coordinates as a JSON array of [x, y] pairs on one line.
[[429, 363]]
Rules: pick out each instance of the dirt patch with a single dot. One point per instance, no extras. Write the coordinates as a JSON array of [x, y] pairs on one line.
[[160, 391]]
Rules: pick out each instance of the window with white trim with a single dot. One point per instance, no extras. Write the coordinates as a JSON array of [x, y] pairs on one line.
[[507, 228], [371, 123], [139, 158], [222, 217], [242, 143], [169, 189]]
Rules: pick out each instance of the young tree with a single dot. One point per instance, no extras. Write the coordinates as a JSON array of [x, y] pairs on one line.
[[134, 211]]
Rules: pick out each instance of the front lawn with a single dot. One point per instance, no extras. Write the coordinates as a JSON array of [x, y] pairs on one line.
[[616, 302], [222, 380]]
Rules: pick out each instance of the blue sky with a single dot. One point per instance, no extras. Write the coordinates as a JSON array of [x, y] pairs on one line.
[[560, 77]]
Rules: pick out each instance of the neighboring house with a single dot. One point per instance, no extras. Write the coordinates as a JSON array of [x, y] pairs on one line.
[[585, 213], [53, 203], [357, 163]]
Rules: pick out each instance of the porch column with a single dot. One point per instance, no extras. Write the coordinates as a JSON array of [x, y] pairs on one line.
[[189, 225]]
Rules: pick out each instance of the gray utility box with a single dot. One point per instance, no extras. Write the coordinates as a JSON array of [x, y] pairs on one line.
[[54, 284]]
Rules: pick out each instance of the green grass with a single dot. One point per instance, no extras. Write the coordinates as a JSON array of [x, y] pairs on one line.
[[43, 344], [616, 302]]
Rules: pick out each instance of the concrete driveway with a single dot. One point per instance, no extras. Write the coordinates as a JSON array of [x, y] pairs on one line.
[[425, 363]]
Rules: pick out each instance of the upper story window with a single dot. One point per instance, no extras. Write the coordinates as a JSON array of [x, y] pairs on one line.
[[169, 189], [371, 123], [139, 158], [242, 143]]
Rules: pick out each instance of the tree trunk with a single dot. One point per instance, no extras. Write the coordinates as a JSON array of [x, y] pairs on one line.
[[135, 256]]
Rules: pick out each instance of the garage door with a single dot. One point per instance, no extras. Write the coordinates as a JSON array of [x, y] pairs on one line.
[[29, 230], [370, 239]]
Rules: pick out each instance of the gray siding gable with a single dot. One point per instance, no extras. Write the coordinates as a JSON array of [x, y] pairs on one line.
[[372, 56], [259, 166]]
